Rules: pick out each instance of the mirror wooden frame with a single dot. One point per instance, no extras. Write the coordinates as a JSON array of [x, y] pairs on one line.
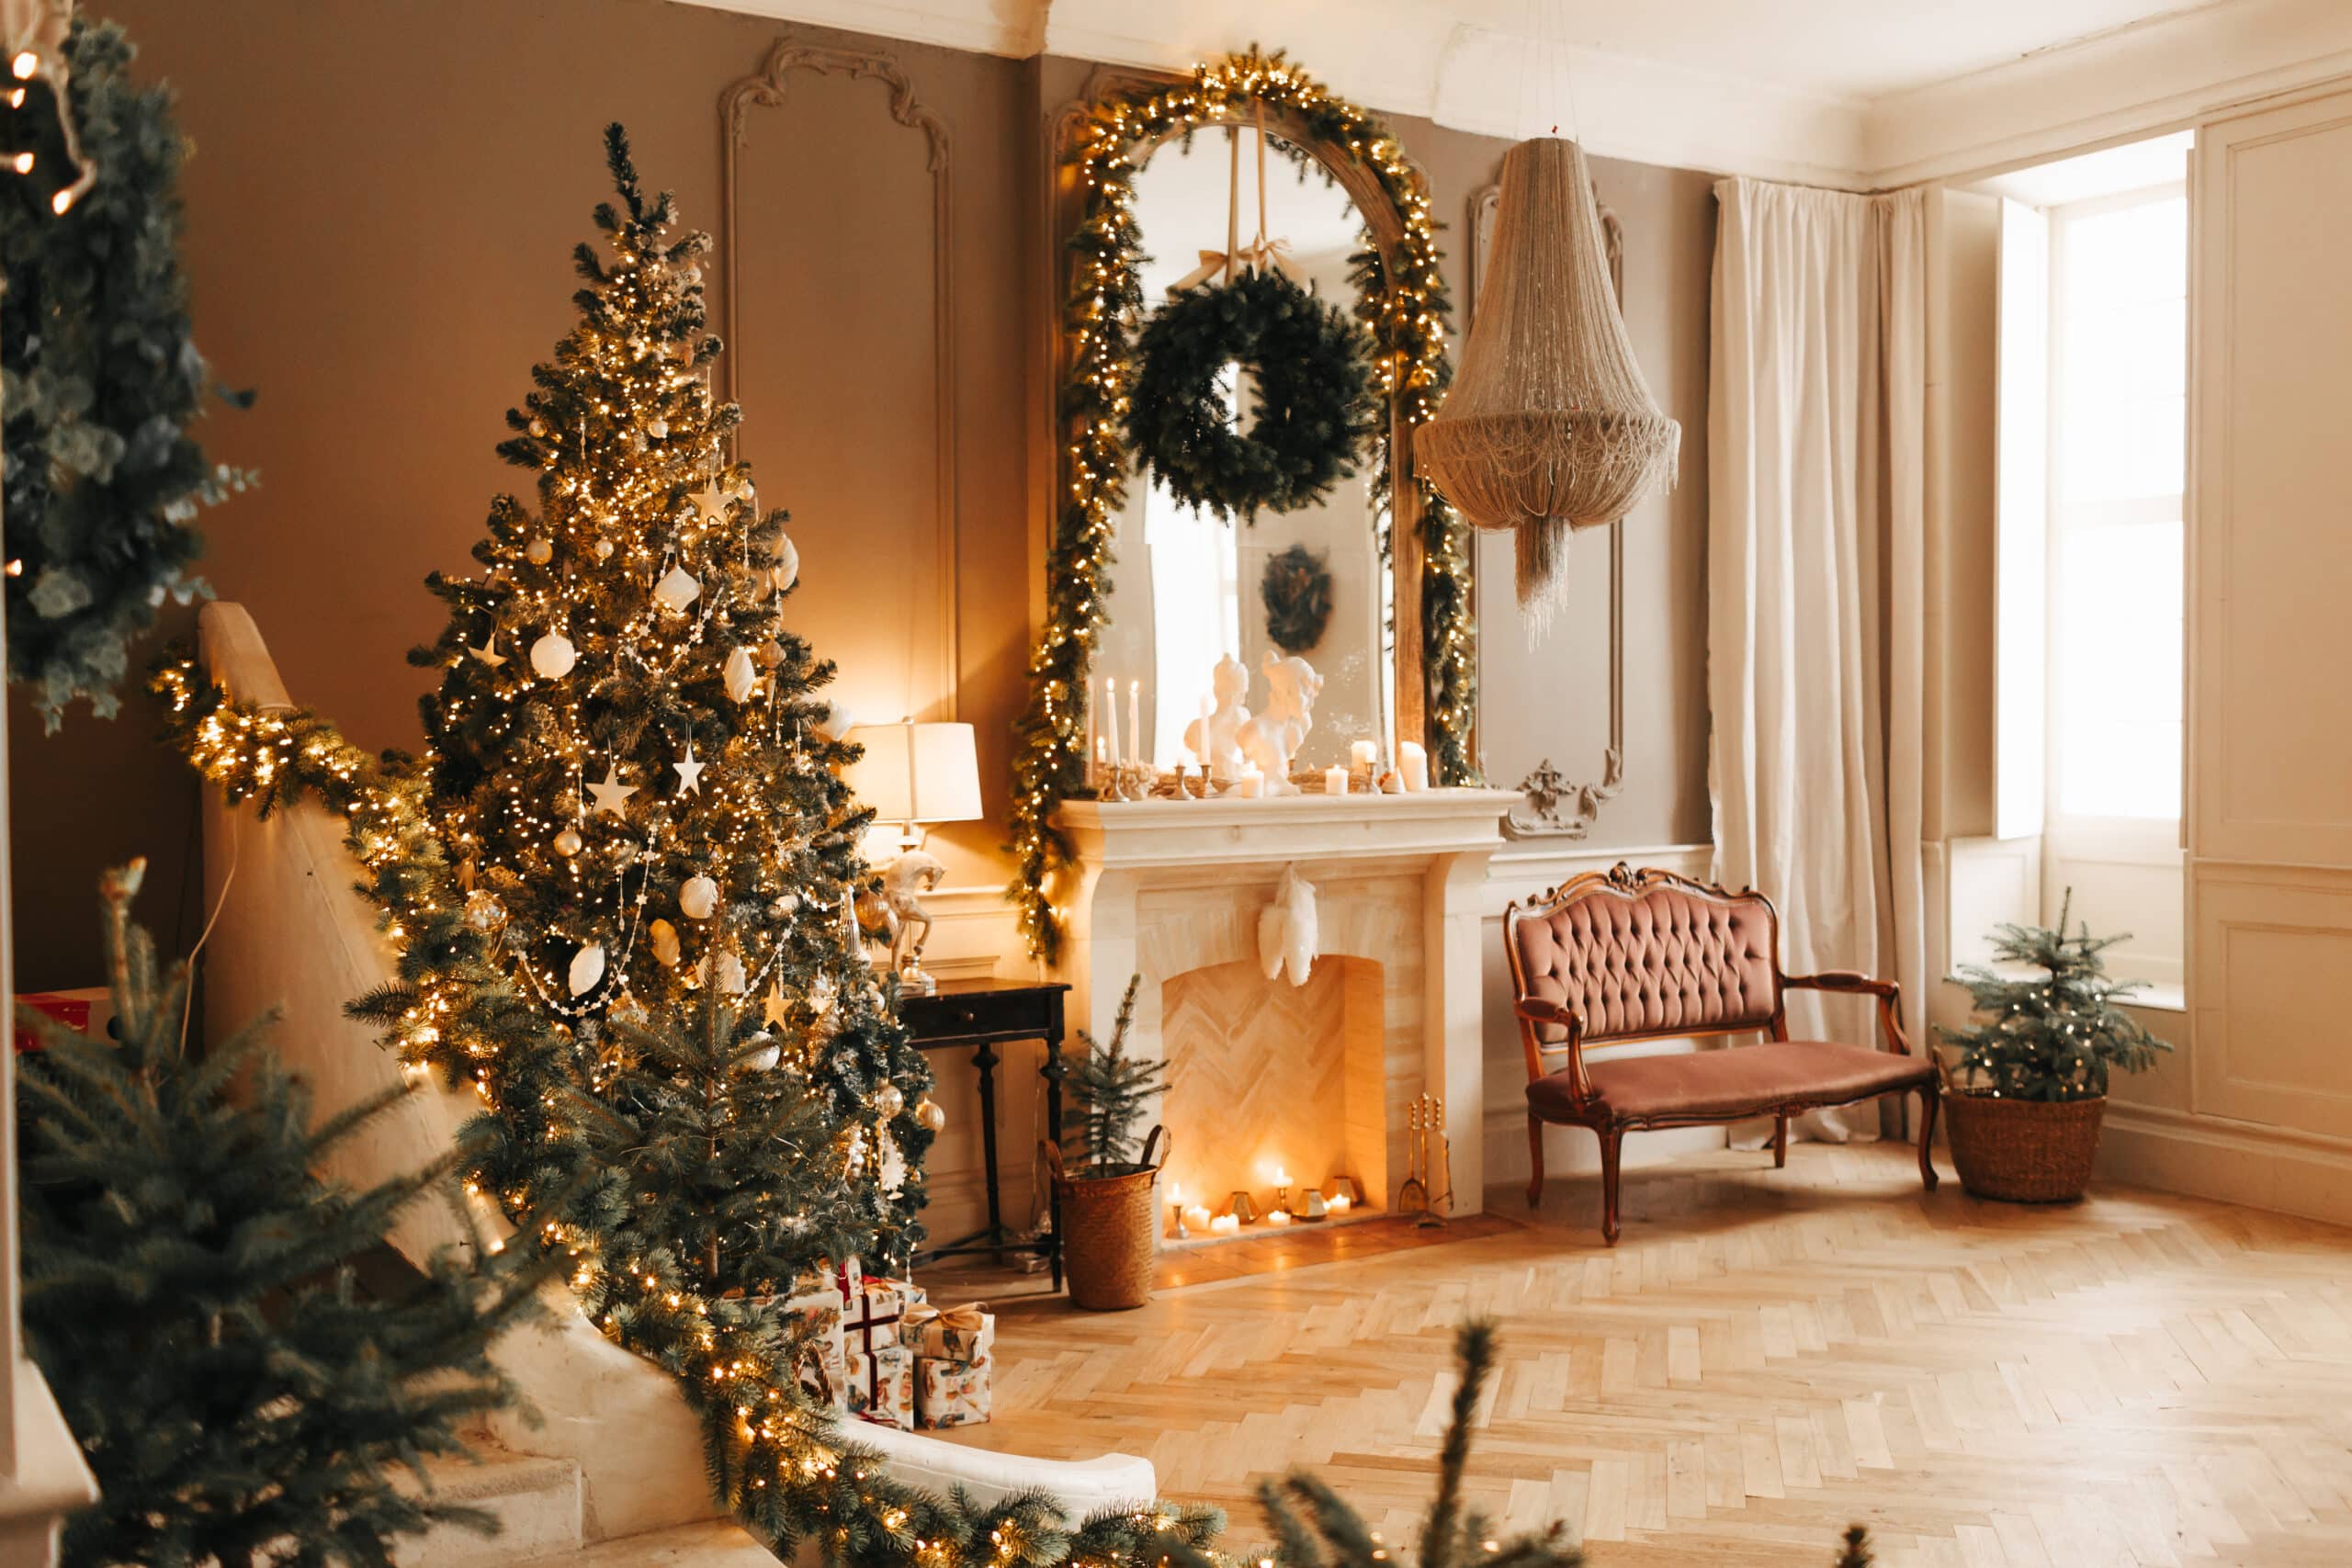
[[1093, 146]]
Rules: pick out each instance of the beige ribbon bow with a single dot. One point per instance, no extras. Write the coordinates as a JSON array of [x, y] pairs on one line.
[[970, 1317], [1262, 255]]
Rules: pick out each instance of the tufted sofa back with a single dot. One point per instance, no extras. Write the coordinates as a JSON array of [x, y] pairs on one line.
[[1651, 955]]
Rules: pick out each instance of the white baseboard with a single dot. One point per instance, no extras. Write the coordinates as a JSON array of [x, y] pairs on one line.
[[2234, 1162]]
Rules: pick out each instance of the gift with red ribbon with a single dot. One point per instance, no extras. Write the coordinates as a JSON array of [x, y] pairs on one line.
[[881, 1386]]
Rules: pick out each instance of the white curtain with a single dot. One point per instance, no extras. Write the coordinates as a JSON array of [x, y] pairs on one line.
[[1816, 516]]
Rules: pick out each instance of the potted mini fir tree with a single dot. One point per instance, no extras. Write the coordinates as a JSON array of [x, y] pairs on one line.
[[2029, 1086], [1102, 1180]]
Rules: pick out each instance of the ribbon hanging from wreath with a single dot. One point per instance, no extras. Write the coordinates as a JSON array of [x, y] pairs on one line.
[[1310, 362]]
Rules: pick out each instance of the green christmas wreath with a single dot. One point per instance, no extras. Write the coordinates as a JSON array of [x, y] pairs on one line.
[[1314, 398], [1296, 588]]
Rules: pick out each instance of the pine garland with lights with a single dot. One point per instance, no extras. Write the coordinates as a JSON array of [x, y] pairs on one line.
[[1403, 309], [103, 382], [2055, 1036]]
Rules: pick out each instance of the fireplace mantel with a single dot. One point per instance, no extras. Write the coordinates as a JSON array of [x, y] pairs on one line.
[[1165, 886]]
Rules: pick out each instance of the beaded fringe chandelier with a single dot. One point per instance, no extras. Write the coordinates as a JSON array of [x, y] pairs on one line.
[[1549, 426]]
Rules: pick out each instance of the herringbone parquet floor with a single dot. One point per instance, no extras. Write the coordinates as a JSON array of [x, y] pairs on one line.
[[1766, 1356]]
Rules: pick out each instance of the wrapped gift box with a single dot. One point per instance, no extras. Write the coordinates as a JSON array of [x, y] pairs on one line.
[[957, 1334], [824, 1372], [881, 1386], [950, 1393], [872, 1316]]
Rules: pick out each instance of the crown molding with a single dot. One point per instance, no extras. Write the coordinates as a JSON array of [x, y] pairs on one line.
[[1407, 57]]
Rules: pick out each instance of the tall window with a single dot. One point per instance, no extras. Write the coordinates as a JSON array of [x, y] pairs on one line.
[[2118, 356]]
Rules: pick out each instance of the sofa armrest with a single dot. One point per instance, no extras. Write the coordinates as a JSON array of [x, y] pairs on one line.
[[1854, 983]]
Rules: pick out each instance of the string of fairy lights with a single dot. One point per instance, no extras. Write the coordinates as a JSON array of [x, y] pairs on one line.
[[1404, 310]]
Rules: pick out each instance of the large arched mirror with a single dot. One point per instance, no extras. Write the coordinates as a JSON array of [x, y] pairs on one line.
[[1138, 590], [1188, 587]]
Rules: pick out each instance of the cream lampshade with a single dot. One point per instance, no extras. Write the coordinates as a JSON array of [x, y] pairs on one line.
[[914, 774], [917, 772]]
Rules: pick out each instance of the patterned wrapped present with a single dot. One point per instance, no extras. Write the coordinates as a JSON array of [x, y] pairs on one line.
[[950, 1393], [872, 1317], [967, 1333], [881, 1386], [824, 1372]]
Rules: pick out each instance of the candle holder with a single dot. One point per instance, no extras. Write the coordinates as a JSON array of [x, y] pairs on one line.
[[1311, 1204], [1176, 1213], [1242, 1208]]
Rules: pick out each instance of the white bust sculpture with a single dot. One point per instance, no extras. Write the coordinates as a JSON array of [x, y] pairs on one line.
[[1216, 740], [1274, 737]]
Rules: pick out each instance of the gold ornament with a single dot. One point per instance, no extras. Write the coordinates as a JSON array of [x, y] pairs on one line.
[[568, 843], [538, 552], [889, 1099], [928, 1113], [484, 912], [664, 937]]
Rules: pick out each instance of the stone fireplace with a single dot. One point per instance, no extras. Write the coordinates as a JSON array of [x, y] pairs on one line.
[[1314, 1079]]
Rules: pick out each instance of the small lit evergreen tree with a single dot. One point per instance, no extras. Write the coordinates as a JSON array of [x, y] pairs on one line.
[[2053, 1036], [1108, 1090], [189, 1294]]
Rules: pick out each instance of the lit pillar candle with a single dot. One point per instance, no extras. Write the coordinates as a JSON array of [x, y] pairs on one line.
[[1199, 1218], [1093, 751], [1111, 714], [1413, 766], [1252, 784], [1363, 753], [1134, 724], [1335, 780]]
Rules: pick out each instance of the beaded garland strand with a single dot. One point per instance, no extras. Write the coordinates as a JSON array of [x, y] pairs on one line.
[[1404, 306]]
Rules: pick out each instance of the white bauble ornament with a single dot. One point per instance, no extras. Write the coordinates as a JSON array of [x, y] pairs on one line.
[[787, 570], [539, 427], [483, 911], [741, 678], [665, 938], [678, 589], [604, 549], [764, 1059], [723, 970], [888, 1100], [698, 898], [658, 429], [587, 968], [567, 843], [538, 552], [552, 656], [928, 1113]]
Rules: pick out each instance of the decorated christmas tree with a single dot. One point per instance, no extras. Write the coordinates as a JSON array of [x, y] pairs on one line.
[[632, 775], [190, 1293], [2056, 1028]]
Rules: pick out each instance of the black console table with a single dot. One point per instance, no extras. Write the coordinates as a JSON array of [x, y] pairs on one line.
[[984, 1014]]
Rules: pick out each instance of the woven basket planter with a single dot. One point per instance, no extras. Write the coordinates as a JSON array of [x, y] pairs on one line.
[[1110, 1230], [2024, 1151]]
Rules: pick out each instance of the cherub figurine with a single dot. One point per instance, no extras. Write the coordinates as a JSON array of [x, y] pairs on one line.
[[1216, 739], [1274, 737]]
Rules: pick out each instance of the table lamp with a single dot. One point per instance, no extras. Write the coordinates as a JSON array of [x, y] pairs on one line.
[[913, 776]]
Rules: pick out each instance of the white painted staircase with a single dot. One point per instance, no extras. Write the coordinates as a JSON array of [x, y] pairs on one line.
[[616, 1455]]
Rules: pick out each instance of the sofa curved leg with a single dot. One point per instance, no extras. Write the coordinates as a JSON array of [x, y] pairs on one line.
[[1534, 1160], [1930, 1100], [1610, 1138]]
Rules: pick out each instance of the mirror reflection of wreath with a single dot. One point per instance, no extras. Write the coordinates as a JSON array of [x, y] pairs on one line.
[[1297, 591], [1313, 404]]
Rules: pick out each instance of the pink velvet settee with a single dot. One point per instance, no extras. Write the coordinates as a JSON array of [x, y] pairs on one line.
[[1622, 955]]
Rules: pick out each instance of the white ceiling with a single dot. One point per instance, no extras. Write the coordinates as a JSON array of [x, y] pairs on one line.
[[1860, 93]]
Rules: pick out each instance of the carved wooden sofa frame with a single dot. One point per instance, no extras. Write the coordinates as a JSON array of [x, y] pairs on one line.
[[1622, 955]]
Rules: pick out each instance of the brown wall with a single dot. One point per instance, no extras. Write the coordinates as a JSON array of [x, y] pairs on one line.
[[380, 212]]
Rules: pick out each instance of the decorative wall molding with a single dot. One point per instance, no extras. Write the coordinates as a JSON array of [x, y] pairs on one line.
[[1556, 806], [1411, 57], [766, 88]]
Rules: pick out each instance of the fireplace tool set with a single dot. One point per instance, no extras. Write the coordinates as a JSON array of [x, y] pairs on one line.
[[1428, 1157]]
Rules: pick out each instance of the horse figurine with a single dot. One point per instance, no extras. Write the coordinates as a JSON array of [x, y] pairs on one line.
[[1274, 737]]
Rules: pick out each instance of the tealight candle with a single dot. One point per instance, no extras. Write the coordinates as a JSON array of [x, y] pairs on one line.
[[1199, 1218], [1335, 780], [1252, 784], [1278, 1217], [1339, 1203], [1225, 1224]]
